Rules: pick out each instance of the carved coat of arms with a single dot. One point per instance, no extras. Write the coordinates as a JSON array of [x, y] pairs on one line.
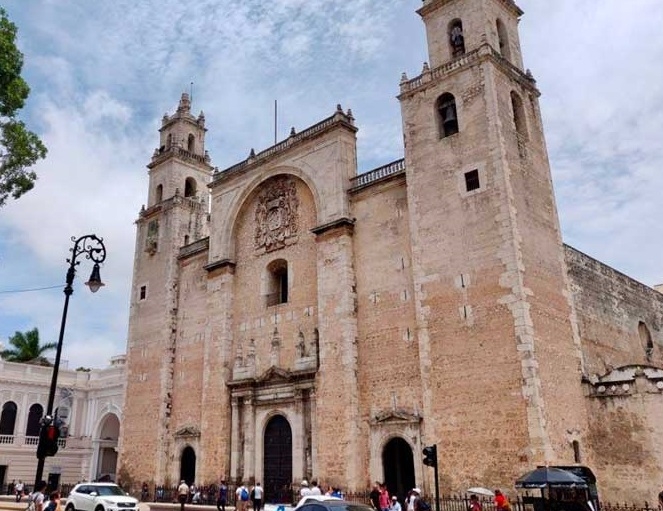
[[276, 214]]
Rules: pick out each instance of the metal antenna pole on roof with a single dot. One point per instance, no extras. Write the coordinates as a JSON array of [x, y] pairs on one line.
[[191, 92], [275, 119]]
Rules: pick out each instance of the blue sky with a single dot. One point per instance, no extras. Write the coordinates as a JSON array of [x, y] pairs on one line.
[[103, 74]]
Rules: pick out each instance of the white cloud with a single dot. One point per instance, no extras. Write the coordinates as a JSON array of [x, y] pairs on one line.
[[103, 73]]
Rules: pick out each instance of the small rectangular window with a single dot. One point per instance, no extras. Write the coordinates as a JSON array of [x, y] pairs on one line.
[[143, 292], [472, 180]]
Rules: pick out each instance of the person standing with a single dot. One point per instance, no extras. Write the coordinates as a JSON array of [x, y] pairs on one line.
[[182, 494], [223, 496], [18, 489], [475, 505], [258, 494], [305, 490], [315, 489], [375, 496], [395, 505], [383, 498]]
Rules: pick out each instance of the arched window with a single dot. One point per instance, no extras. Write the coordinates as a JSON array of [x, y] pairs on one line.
[[645, 339], [503, 39], [277, 283], [169, 141], [191, 143], [447, 116], [34, 416], [190, 187], [456, 38], [159, 194], [519, 115], [8, 418]]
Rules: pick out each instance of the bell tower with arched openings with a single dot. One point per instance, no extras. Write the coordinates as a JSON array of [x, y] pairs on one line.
[[494, 317], [175, 221]]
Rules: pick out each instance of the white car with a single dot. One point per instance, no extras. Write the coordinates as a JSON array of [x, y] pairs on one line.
[[100, 497], [307, 499]]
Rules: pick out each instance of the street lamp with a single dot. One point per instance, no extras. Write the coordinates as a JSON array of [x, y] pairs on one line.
[[92, 247]]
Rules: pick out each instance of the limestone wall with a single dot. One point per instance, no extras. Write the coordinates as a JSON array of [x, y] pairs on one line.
[[610, 307]]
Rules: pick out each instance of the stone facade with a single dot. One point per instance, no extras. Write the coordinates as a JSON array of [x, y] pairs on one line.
[[313, 322], [89, 402]]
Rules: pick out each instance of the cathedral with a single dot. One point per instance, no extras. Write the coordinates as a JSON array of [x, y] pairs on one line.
[[293, 319]]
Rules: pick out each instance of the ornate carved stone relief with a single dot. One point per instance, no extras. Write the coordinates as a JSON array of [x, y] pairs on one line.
[[276, 215]]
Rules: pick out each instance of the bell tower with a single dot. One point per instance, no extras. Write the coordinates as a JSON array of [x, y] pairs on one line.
[[176, 216], [494, 317]]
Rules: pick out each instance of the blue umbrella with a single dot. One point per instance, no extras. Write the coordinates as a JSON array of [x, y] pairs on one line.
[[544, 477]]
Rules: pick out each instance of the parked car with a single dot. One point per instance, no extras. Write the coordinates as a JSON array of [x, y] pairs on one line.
[[314, 498], [100, 497], [330, 504]]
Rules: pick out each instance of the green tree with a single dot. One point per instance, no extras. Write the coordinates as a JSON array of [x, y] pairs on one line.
[[26, 348], [19, 147]]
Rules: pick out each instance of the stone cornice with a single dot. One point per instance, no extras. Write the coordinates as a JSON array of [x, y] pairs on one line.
[[336, 121], [222, 264], [344, 222], [431, 77], [432, 5]]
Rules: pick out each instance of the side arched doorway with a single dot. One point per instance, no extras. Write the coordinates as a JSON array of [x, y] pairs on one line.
[[398, 465], [105, 464], [277, 461], [188, 465]]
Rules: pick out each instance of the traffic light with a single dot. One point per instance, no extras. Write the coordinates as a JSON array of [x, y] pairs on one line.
[[430, 455], [48, 441]]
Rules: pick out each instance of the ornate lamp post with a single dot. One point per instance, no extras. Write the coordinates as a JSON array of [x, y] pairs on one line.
[[92, 247]]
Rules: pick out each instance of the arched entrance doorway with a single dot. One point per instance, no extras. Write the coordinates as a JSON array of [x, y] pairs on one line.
[[398, 466], [188, 465], [277, 467], [109, 433]]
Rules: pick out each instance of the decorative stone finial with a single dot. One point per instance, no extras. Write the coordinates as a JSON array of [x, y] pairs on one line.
[[185, 103], [426, 68], [165, 118], [252, 154], [339, 108], [349, 114], [292, 132], [404, 77], [201, 119]]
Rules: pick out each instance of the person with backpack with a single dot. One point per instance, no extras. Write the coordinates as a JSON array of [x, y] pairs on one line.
[[419, 503], [37, 497], [241, 498]]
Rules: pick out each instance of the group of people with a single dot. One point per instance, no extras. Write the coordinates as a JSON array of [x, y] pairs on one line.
[[380, 501], [314, 489], [38, 499]]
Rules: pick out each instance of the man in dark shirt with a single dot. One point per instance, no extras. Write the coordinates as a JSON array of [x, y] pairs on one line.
[[375, 496]]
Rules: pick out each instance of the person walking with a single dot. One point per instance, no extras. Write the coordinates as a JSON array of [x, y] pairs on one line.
[[38, 496], [223, 496], [258, 494], [241, 498], [182, 494]]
